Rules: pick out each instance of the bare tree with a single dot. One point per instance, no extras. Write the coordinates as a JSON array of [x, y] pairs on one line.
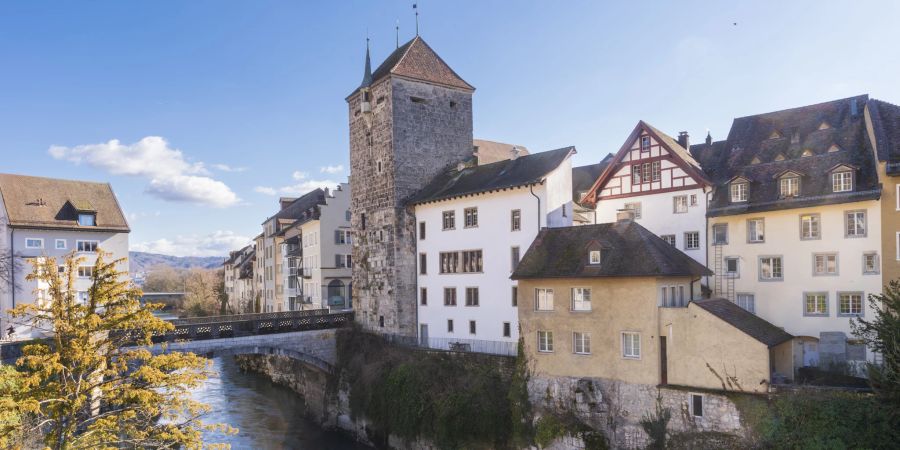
[[8, 265]]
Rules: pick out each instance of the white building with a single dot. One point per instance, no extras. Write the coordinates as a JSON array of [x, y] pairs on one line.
[[474, 223], [316, 249], [45, 217], [239, 282], [655, 176]]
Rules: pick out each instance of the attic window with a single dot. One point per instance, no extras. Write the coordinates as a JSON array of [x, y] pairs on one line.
[[834, 148], [739, 191], [824, 126], [779, 157], [87, 219], [453, 104], [418, 100], [775, 135], [789, 185], [645, 143], [595, 257], [755, 161], [806, 153]]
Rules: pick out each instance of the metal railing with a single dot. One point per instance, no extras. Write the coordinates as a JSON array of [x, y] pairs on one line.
[[456, 345], [251, 324]]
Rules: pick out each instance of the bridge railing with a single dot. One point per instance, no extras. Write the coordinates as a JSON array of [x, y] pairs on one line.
[[456, 345], [249, 316]]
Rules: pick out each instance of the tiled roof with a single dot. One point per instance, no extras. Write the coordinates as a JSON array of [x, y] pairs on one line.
[[507, 174], [38, 202], [749, 323], [416, 60], [627, 250], [761, 147], [297, 207], [886, 127], [583, 177], [490, 151]]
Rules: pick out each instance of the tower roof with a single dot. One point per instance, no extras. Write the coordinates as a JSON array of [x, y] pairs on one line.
[[367, 76], [417, 61]]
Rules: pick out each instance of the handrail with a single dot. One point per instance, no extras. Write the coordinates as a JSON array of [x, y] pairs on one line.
[[249, 316]]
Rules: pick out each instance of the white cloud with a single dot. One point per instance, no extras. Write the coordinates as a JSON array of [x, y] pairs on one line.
[[170, 175], [298, 175], [265, 190], [218, 243], [227, 168], [134, 217], [303, 185], [332, 169]]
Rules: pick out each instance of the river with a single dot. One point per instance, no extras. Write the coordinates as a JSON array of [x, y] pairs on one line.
[[267, 416]]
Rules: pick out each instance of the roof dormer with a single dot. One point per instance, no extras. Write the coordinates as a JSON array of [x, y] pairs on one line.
[[779, 157], [755, 161], [843, 178], [834, 148], [824, 126], [788, 184], [806, 153], [776, 135], [739, 189]]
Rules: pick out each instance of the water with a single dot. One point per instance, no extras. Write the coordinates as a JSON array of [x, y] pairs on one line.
[[267, 416]]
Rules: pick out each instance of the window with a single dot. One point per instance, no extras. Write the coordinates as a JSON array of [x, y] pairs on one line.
[[471, 217], [34, 243], [645, 143], [87, 220], [449, 262], [449, 296], [449, 220], [60, 244], [507, 329], [543, 299], [669, 238], [581, 299], [423, 264], [720, 234], [378, 166], [471, 296], [815, 304], [631, 345], [680, 204], [696, 405], [85, 271], [790, 186], [850, 304], [342, 261], [86, 246], [545, 341], [471, 327], [870, 263], [472, 262], [692, 240], [842, 181], [362, 219], [671, 296], [423, 296], [582, 343], [654, 171], [515, 220], [732, 267], [594, 257], [746, 301], [756, 230], [636, 174], [421, 231], [693, 199], [645, 173], [515, 296], [825, 264], [810, 226], [347, 215], [449, 325], [739, 192], [514, 257], [82, 297], [770, 268], [635, 208], [856, 224]]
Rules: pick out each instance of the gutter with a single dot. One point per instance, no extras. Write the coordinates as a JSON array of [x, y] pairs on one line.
[[531, 189]]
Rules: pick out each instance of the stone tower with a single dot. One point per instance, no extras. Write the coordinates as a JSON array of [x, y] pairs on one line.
[[410, 119]]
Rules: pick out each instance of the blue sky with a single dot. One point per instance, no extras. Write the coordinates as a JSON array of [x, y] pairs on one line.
[[252, 93]]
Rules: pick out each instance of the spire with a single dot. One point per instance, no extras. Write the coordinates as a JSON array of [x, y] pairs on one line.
[[367, 77], [708, 137]]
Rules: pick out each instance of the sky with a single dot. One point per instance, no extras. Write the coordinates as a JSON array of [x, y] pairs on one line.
[[201, 113]]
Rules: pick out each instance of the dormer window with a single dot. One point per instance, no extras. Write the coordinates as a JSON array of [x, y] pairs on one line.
[[842, 181], [87, 219], [739, 191], [806, 153], [595, 257], [779, 157], [824, 126], [645, 143], [755, 161], [834, 148], [775, 135], [790, 185]]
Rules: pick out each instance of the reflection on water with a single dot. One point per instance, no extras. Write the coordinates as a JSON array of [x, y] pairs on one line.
[[268, 416]]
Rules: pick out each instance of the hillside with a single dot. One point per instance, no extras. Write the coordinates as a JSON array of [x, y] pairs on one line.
[[139, 262]]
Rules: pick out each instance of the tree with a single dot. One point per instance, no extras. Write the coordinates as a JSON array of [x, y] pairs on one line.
[[200, 297], [221, 295], [94, 383], [882, 335], [8, 265], [164, 278]]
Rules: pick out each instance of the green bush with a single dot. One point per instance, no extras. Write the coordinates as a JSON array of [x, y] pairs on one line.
[[547, 429]]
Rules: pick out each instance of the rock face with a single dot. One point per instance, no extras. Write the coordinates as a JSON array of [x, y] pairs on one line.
[[414, 131]]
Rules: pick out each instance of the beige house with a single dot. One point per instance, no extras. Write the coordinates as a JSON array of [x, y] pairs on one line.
[[612, 301], [882, 122], [239, 279]]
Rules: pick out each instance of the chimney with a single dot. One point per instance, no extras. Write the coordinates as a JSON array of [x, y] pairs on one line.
[[708, 137], [684, 140], [854, 108], [624, 215], [514, 152]]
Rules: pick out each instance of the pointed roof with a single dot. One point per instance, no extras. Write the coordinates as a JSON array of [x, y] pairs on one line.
[[367, 76], [416, 60]]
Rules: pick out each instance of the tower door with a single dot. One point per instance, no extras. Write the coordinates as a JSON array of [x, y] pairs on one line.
[[423, 334], [663, 362]]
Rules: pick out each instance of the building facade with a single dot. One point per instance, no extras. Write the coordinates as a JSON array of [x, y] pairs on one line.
[[53, 218], [239, 280], [409, 120], [472, 226]]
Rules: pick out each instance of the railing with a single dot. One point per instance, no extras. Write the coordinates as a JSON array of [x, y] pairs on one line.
[[250, 316], [201, 328], [456, 345]]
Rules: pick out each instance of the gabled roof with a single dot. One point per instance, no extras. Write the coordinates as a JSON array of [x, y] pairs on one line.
[[36, 202], [681, 157], [627, 250], [491, 151], [417, 61], [886, 128], [512, 173], [748, 139], [299, 209], [749, 323], [583, 177]]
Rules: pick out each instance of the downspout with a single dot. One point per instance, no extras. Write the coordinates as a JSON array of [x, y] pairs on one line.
[[12, 265], [706, 234], [531, 188]]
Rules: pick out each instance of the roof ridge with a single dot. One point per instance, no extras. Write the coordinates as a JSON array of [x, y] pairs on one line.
[[55, 179], [803, 107]]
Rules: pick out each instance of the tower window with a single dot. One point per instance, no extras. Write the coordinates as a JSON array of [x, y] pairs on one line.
[[378, 166], [453, 104], [381, 321], [418, 100]]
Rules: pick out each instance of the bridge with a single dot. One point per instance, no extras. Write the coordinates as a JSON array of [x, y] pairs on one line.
[[307, 336]]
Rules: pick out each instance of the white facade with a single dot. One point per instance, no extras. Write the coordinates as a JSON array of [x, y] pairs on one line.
[[495, 316]]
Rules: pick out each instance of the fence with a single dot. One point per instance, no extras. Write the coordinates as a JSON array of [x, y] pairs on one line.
[[456, 345]]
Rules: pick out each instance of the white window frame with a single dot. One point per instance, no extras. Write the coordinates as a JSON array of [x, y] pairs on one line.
[[666, 237], [756, 230], [29, 241], [579, 304], [60, 241], [816, 296], [582, 340], [515, 220], [752, 303], [865, 224], [791, 184], [677, 201], [543, 299], [719, 226], [448, 216], [688, 239], [825, 257], [635, 351], [470, 213], [79, 271], [771, 267], [545, 341], [737, 272], [815, 218], [649, 143], [862, 303], [79, 245], [877, 269], [842, 181], [739, 191], [594, 257]]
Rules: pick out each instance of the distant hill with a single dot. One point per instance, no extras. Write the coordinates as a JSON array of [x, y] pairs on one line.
[[139, 262]]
